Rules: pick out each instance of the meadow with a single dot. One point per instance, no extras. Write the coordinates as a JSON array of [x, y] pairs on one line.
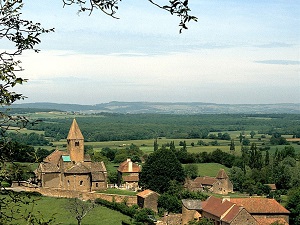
[[56, 207]]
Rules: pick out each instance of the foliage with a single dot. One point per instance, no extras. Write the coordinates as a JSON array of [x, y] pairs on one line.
[[110, 7], [293, 205], [159, 170], [28, 139], [191, 171], [13, 212], [202, 221], [121, 207]]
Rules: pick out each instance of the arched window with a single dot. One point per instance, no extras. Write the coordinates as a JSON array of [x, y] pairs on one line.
[[96, 184], [76, 143], [81, 182], [68, 182]]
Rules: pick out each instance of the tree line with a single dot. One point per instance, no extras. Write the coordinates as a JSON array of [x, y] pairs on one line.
[[116, 127]]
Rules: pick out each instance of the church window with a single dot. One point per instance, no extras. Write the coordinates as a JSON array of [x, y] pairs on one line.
[[76, 143], [81, 182]]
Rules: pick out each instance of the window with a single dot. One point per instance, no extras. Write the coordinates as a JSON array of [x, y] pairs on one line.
[[81, 182], [96, 184], [68, 182], [76, 143]]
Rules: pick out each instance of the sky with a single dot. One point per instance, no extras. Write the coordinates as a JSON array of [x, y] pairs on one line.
[[239, 52]]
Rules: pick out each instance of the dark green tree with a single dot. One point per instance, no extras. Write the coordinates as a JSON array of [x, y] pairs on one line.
[[293, 205], [160, 169], [172, 146], [252, 133], [155, 145], [191, 171], [232, 146], [267, 158]]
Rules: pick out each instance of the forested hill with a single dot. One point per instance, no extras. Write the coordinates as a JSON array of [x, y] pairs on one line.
[[168, 108]]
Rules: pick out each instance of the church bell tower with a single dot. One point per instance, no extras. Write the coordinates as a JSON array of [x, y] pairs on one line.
[[75, 143]]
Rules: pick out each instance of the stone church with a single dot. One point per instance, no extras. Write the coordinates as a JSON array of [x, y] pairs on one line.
[[72, 169]]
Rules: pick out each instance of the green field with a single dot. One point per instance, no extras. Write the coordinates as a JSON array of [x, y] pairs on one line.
[[56, 207], [210, 169]]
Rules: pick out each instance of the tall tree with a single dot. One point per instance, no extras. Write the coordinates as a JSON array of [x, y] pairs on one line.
[[232, 146], [155, 145], [160, 169]]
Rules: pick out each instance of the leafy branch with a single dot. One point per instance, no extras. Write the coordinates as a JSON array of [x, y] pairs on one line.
[[110, 8]]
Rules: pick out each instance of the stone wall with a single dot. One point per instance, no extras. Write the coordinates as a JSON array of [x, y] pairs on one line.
[[130, 200]]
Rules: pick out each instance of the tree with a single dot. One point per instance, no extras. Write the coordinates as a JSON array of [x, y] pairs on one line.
[[232, 146], [202, 221], [293, 205], [252, 133], [155, 145], [191, 171], [79, 209], [110, 8], [159, 170]]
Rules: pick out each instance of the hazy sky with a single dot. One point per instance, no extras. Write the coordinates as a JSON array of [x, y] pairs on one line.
[[238, 52]]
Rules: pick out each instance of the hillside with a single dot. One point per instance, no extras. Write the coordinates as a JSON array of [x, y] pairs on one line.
[[168, 108]]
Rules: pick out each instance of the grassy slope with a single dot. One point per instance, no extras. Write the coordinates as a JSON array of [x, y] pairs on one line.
[[48, 206]]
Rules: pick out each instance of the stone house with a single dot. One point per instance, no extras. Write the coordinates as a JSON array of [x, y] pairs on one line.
[[220, 184], [236, 211], [264, 210], [148, 199], [222, 212], [72, 169], [128, 175]]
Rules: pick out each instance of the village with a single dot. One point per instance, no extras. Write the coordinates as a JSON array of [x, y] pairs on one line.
[[72, 174]]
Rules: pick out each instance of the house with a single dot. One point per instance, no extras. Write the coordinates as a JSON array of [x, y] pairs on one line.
[[220, 184], [191, 210], [148, 199], [264, 210], [222, 212], [128, 175], [72, 169], [235, 211]]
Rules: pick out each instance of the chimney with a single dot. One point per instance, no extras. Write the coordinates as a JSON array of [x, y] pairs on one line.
[[129, 165], [226, 198]]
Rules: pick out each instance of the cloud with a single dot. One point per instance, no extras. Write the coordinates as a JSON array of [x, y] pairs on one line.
[[279, 62], [275, 45]]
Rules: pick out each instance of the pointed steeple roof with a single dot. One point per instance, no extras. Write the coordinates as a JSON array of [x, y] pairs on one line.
[[221, 174], [75, 132]]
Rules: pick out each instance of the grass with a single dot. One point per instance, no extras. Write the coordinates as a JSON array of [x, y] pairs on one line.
[[55, 207], [210, 169]]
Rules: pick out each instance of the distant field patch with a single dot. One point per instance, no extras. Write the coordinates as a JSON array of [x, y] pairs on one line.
[[210, 169]]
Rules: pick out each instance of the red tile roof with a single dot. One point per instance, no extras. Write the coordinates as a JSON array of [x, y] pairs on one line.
[[216, 207], [206, 180], [268, 221], [125, 167], [234, 211], [146, 193], [260, 205], [54, 157]]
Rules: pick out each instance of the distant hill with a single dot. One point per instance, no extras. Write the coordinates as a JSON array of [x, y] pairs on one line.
[[167, 108]]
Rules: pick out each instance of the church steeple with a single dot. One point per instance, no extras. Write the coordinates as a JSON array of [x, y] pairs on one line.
[[75, 141]]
